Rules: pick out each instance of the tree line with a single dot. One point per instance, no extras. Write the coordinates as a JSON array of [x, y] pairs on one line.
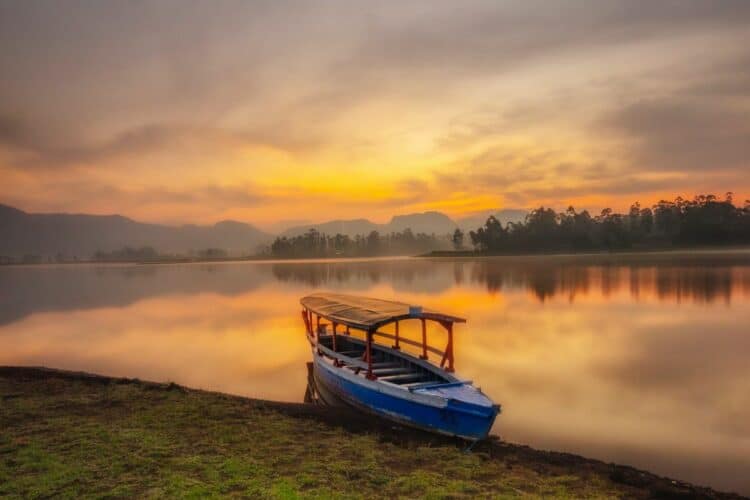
[[314, 244], [150, 254], [705, 220]]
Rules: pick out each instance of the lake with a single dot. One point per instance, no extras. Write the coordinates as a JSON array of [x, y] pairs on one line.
[[641, 359]]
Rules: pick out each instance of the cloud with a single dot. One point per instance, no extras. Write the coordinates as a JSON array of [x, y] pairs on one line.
[[484, 37], [288, 73], [679, 134], [484, 98], [699, 124], [18, 136], [100, 196], [174, 138]]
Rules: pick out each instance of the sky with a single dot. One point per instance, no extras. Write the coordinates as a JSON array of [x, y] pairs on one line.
[[275, 113]]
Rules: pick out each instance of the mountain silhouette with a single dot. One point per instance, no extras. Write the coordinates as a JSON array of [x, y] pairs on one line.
[[471, 223], [426, 222], [79, 235]]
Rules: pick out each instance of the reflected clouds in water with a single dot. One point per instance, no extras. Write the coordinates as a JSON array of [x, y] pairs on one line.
[[641, 359]]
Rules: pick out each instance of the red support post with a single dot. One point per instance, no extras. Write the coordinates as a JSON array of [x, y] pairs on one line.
[[449, 348], [424, 339], [307, 323], [448, 353], [368, 352], [396, 345], [335, 361], [317, 332]]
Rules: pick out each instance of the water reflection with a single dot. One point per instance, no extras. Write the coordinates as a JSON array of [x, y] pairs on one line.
[[674, 277], [636, 359], [317, 394], [684, 277]]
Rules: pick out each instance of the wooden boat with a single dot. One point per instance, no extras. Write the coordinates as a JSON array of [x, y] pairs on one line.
[[385, 380]]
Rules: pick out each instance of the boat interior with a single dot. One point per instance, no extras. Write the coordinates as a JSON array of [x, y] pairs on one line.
[[388, 365]]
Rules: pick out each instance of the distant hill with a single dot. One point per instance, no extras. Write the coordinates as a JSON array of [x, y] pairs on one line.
[[351, 227], [81, 236], [426, 222], [475, 221]]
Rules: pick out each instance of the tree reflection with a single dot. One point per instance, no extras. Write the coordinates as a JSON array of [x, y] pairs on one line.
[[674, 277], [687, 278]]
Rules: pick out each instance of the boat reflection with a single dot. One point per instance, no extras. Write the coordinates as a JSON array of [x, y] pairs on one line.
[[317, 394]]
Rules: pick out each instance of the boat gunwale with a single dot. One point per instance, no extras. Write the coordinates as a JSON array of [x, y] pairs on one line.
[[392, 390], [385, 387]]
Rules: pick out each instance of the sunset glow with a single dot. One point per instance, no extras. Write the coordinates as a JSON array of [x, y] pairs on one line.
[[264, 113]]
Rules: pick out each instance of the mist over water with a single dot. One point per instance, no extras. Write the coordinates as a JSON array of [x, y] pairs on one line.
[[641, 359]]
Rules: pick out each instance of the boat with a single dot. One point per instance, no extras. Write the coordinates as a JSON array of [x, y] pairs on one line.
[[409, 389]]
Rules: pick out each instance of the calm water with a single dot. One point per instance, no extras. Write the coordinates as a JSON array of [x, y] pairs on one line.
[[642, 359]]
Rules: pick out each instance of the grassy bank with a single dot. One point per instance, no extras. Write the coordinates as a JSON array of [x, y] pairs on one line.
[[67, 434]]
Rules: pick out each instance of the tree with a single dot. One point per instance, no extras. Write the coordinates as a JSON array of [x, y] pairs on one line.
[[458, 239], [373, 242], [315, 244], [704, 220], [489, 238]]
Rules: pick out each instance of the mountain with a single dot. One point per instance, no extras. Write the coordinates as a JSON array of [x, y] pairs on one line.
[[472, 222], [81, 236], [426, 222], [351, 227]]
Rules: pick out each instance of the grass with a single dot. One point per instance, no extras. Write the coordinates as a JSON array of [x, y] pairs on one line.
[[71, 436]]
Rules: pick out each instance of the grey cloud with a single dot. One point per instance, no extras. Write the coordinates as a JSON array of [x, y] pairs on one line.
[[726, 78], [496, 169], [676, 133], [146, 138], [490, 37], [71, 67], [14, 134], [98, 194], [211, 195], [620, 185]]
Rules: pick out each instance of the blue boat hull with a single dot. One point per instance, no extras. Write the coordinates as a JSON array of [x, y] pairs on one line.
[[446, 416]]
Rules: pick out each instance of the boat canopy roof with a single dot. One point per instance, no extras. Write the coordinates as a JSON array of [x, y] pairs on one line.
[[367, 313]]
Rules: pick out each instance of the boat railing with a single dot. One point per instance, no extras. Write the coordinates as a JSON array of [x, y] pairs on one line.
[[359, 363], [414, 343], [347, 360], [401, 340], [316, 328]]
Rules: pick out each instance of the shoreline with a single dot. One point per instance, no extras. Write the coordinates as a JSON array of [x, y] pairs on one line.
[[436, 254], [79, 399], [729, 249]]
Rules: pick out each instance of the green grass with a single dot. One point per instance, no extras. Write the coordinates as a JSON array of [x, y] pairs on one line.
[[73, 438]]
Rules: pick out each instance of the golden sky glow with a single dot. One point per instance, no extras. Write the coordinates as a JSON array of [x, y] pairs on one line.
[[275, 112]]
